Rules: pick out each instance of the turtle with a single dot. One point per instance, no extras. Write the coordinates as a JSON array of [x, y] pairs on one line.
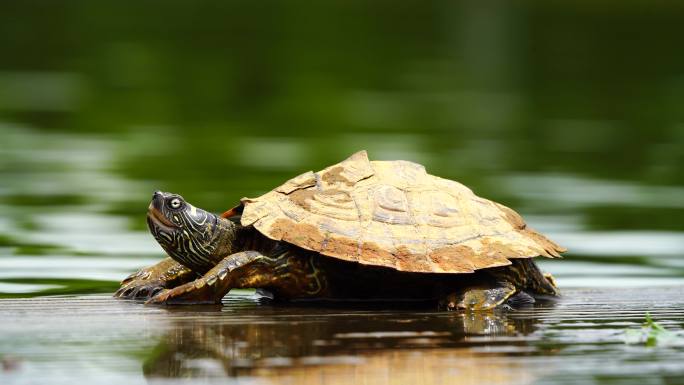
[[358, 230]]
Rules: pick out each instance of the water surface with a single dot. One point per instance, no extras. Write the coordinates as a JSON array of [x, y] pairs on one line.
[[577, 340]]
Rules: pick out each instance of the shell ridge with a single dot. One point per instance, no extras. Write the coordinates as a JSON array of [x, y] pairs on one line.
[[318, 181]]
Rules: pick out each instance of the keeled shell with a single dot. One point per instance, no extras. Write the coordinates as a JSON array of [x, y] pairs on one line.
[[394, 214]]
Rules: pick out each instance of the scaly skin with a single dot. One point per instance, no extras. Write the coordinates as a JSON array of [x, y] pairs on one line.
[[521, 277], [147, 282], [284, 274]]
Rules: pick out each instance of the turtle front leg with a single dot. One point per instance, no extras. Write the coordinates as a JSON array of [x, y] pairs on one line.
[[147, 282], [217, 282], [288, 275], [486, 297]]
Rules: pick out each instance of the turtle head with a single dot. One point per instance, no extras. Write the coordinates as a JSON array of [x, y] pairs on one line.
[[196, 238]]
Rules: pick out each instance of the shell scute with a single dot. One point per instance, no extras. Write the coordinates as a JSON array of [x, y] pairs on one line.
[[304, 180], [394, 214], [391, 205]]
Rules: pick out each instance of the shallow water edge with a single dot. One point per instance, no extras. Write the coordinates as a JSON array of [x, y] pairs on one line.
[[577, 339]]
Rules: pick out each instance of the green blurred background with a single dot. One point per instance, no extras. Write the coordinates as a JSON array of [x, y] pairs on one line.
[[569, 112]]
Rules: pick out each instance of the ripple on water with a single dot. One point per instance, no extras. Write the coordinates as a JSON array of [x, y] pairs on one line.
[[578, 339]]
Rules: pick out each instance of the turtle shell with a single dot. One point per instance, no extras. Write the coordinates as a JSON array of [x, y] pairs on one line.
[[394, 214]]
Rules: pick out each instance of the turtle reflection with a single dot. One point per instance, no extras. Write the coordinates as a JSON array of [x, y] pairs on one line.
[[341, 347]]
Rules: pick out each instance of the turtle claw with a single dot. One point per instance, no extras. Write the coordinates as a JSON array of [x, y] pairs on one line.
[[158, 299], [165, 297], [123, 292], [193, 293], [138, 286], [141, 274], [139, 289]]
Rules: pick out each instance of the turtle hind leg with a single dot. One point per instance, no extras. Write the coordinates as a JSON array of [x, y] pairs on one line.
[[485, 297], [551, 280], [520, 299]]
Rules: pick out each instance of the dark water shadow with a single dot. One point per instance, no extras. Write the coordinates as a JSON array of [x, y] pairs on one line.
[[340, 343]]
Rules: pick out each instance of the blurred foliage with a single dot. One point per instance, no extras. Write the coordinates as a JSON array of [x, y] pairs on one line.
[[576, 87], [64, 286], [636, 218], [102, 103]]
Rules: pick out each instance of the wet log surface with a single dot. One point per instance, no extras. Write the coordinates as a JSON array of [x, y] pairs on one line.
[[579, 339]]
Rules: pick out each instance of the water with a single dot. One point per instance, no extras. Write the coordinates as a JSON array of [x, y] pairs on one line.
[[569, 113], [101, 340]]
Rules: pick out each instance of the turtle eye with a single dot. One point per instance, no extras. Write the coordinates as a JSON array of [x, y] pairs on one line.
[[175, 203]]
